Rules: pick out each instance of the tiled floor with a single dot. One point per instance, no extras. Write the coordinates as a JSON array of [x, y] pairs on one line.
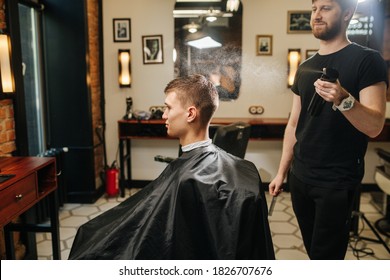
[[285, 233]]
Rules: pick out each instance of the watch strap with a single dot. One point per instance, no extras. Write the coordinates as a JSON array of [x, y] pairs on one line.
[[346, 104]]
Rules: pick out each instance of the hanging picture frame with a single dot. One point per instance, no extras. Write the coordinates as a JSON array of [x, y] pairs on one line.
[[264, 45], [121, 29], [152, 47], [298, 22]]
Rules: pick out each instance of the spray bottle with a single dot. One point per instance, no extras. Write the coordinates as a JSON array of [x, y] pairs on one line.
[[317, 102]]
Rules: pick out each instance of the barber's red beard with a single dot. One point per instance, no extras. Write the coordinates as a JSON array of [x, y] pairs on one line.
[[327, 32]]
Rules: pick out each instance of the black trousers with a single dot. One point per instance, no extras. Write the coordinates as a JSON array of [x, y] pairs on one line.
[[324, 216]]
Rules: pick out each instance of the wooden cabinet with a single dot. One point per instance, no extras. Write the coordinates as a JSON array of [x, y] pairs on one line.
[[17, 197], [26, 181]]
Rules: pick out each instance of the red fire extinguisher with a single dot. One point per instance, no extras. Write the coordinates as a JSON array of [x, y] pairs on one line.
[[112, 180]]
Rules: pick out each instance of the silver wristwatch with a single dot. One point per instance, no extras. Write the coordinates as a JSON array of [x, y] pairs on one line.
[[346, 104]]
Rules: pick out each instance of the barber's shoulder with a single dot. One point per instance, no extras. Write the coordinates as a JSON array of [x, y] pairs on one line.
[[366, 50]]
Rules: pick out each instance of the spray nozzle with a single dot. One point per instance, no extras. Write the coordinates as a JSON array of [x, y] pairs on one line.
[[329, 75]]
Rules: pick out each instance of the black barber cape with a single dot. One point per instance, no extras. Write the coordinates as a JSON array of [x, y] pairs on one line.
[[207, 204]]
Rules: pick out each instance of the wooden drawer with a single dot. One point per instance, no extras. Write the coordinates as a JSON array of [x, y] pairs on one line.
[[17, 198]]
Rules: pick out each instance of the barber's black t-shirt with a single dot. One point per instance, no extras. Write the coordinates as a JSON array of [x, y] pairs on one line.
[[329, 151]]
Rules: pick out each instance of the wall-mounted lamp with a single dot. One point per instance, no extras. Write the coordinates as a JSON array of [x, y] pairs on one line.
[[124, 60], [7, 77], [293, 61]]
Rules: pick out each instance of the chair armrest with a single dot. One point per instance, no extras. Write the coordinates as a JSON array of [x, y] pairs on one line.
[[163, 159]]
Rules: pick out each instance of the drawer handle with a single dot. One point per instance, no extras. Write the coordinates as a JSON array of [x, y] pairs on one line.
[[19, 197]]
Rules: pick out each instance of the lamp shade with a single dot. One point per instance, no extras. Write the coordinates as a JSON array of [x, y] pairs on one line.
[[124, 60], [232, 5], [293, 61], [7, 79]]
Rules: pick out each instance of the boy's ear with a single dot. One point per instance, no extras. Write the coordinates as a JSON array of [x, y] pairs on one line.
[[192, 113]]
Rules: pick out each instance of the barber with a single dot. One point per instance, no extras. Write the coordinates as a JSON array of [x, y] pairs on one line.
[[324, 153]]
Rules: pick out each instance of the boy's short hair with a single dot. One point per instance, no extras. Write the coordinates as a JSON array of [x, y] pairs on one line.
[[196, 90]]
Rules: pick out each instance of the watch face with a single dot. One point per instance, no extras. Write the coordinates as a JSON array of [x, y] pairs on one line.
[[347, 104]]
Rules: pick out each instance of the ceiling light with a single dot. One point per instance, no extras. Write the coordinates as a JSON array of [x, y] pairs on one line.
[[213, 14], [188, 13], [192, 30], [204, 43], [192, 27], [211, 18], [191, 13]]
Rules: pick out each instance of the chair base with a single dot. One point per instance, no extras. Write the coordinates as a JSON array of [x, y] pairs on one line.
[[356, 234], [383, 226]]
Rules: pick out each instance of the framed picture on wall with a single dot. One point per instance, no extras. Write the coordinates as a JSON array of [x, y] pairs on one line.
[[122, 29], [152, 46], [263, 44], [298, 22], [310, 53]]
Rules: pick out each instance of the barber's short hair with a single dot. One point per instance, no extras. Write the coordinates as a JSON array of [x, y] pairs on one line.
[[344, 4], [196, 90]]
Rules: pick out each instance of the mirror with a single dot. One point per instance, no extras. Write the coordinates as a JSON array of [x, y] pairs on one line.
[[208, 39]]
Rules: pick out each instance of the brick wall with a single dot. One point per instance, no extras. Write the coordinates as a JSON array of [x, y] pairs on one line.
[[2, 15], [95, 86], [7, 128]]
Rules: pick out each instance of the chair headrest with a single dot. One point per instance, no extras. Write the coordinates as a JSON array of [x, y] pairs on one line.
[[383, 154]]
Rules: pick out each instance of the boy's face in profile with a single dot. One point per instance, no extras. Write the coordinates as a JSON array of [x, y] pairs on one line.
[[175, 116]]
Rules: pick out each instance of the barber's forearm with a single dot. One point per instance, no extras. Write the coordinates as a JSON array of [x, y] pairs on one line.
[[368, 114], [366, 120], [289, 141]]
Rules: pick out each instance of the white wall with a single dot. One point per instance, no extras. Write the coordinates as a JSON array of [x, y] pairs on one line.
[[263, 77]]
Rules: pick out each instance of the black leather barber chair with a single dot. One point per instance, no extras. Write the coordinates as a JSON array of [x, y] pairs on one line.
[[382, 178], [232, 138]]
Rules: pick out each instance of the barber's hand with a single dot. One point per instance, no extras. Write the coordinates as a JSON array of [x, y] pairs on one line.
[[331, 92], [275, 187]]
